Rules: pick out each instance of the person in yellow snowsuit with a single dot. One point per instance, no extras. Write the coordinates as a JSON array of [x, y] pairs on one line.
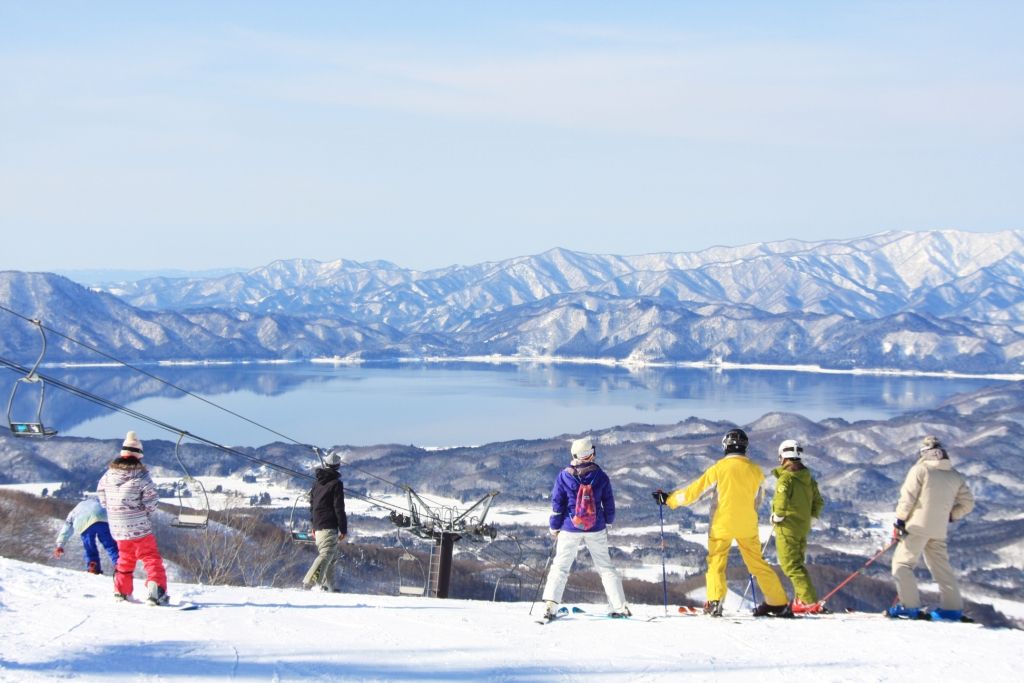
[[737, 483]]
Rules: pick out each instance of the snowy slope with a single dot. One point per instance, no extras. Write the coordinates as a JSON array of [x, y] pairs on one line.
[[62, 624]]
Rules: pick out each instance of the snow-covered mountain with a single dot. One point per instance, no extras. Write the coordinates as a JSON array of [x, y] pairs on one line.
[[107, 323], [872, 277], [941, 300]]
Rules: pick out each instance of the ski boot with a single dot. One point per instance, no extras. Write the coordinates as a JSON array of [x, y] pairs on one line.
[[778, 611], [713, 608], [946, 615], [94, 568], [898, 611], [157, 595], [623, 613]]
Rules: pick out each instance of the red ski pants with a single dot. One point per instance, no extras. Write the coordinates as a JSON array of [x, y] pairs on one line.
[[138, 550]]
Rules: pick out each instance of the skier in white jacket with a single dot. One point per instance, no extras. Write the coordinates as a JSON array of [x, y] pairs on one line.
[[933, 495]]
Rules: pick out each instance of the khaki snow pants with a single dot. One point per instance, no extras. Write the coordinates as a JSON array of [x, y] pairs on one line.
[[936, 558], [322, 569]]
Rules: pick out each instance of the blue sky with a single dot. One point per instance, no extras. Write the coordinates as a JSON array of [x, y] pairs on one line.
[[196, 135]]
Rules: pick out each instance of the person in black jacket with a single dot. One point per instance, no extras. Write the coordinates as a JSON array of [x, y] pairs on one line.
[[328, 521]]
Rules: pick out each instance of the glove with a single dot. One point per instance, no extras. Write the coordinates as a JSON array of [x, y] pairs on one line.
[[660, 497], [777, 518], [554, 532], [58, 552], [899, 529]]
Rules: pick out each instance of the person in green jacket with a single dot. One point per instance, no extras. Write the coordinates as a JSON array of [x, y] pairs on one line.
[[795, 503]]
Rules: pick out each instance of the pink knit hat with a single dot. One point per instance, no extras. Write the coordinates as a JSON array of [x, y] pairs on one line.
[[132, 447]]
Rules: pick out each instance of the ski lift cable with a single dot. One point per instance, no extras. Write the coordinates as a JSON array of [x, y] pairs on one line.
[[136, 368], [170, 384], [142, 417]]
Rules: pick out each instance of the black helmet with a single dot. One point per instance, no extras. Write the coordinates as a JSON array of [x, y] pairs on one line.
[[735, 441]]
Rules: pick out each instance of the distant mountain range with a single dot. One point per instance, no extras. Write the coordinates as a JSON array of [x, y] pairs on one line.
[[937, 301]]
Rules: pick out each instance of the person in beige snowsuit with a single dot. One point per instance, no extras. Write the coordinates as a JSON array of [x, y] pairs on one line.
[[933, 495]]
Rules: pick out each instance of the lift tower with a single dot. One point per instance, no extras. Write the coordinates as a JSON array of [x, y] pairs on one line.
[[444, 525]]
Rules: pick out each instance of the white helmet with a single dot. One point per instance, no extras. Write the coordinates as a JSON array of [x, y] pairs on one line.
[[790, 449]]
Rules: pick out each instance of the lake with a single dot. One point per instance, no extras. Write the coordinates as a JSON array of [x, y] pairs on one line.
[[449, 404]]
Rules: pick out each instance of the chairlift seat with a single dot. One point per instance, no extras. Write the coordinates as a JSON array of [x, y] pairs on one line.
[[298, 522], [191, 520], [31, 429], [303, 536], [408, 567], [197, 514]]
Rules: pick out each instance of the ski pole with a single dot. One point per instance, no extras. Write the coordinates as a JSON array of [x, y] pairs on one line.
[[664, 577], [543, 574], [852, 576]]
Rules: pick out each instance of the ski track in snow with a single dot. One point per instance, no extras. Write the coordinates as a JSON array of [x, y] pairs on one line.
[[61, 624]]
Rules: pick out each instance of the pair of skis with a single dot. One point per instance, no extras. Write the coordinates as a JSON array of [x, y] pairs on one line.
[[563, 612]]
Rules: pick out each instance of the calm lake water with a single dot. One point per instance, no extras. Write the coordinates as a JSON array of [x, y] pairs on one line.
[[463, 404]]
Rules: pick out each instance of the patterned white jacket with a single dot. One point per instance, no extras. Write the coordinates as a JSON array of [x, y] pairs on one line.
[[128, 493]]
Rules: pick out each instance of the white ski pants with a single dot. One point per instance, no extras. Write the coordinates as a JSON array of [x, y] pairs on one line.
[[566, 549]]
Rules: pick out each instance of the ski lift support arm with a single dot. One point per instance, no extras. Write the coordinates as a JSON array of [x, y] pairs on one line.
[[480, 528], [415, 500], [32, 376], [177, 456]]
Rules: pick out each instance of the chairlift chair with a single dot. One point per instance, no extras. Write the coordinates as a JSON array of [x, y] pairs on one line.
[[196, 515], [192, 517], [511, 578], [36, 427], [299, 525], [412, 579]]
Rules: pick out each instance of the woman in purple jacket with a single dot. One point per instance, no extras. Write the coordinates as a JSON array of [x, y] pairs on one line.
[[572, 527]]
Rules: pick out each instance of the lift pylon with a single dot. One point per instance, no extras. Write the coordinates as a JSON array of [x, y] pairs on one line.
[[445, 526]]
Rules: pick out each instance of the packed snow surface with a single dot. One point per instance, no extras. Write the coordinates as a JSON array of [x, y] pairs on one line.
[[64, 624]]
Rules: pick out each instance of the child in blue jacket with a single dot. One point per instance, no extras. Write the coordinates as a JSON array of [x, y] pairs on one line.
[[88, 519]]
